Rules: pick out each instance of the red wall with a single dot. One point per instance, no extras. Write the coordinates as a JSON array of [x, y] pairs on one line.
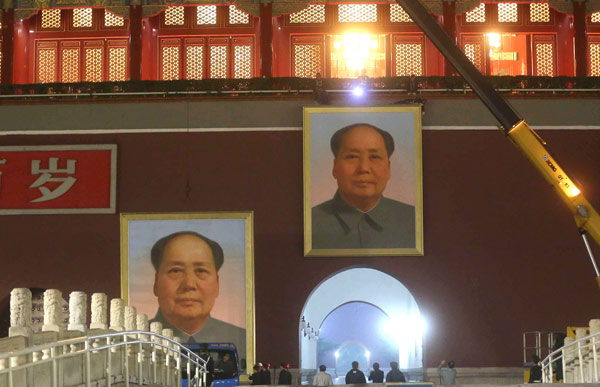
[[502, 254]]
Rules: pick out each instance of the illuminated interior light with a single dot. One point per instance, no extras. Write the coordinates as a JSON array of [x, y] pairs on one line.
[[494, 40]]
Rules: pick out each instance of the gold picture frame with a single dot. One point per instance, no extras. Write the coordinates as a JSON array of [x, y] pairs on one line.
[[234, 233], [403, 189]]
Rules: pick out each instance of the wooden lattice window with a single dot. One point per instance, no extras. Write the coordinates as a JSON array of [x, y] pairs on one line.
[[69, 58], [508, 13], [113, 20], [357, 13], [544, 55], [218, 61], [408, 56], [596, 17], [93, 63], [398, 14], [206, 15], [170, 61], [307, 56], [175, 15], [117, 61], [50, 19], [242, 61], [237, 16], [314, 14], [194, 62], [595, 59], [539, 13], [83, 18], [46, 60], [476, 15]]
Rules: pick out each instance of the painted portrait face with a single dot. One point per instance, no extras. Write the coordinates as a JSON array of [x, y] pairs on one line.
[[362, 165], [186, 282]]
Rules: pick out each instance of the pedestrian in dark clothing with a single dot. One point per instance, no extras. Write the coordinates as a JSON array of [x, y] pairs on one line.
[[257, 376], [535, 373], [355, 376], [266, 371], [395, 375], [376, 375], [285, 377]]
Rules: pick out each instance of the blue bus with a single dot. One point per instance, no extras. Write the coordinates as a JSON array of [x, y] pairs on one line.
[[225, 363]]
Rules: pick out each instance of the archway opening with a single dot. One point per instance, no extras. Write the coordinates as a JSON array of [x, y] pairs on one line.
[[364, 315]]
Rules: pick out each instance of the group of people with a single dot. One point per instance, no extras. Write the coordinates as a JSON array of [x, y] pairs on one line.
[[262, 375], [356, 376]]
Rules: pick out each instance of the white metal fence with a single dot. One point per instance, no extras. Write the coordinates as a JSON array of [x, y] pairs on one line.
[[131, 358], [577, 359]]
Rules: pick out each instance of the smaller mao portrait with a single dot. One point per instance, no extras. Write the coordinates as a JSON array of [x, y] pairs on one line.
[[363, 181], [193, 272]]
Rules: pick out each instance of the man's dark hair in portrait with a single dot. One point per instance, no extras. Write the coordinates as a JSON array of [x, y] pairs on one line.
[[359, 216]]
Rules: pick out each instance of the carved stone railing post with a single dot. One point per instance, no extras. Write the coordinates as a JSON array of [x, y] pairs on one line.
[[99, 311], [77, 311], [156, 327], [53, 311], [117, 314], [130, 324], [20, 312]]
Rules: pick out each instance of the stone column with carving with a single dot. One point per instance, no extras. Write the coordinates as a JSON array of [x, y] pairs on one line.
[[168, 333], [117, 314], [99, 311], [53, 311], [77, 311], [20, 312]]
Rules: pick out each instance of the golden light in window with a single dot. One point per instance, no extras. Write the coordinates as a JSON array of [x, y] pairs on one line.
[[357, 54], [82, 18], [357, 13]]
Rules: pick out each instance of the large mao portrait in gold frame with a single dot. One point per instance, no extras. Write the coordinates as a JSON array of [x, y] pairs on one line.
[[363, 191], [194, 272]]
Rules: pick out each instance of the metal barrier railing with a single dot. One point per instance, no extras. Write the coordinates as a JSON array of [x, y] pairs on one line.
[[134, 344], [579, 361]]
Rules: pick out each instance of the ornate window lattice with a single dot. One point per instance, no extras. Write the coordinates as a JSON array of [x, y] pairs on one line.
[[357, 13], [194, 66], [206, 14], [116, 64], [237, 16], [218, 61], [508, 12], [596, 17], [170, 63], [476, 15], [595, 59], [409, 59], [175, 16], [70, 65], [307, 60], [112, 20], [544, 53], [82, 18], [473, 52], [539, 13], [398, 14], [46, 66], [93, 65], [314, 14], [242, 61], [50, 18]]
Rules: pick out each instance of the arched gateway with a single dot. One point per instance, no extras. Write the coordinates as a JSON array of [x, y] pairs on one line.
[[403, 322]]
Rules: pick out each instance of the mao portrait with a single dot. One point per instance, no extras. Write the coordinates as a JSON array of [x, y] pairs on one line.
[[362, 181], [193, 273]]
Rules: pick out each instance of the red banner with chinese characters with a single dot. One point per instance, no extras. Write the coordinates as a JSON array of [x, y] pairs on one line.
[[58, 179]]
